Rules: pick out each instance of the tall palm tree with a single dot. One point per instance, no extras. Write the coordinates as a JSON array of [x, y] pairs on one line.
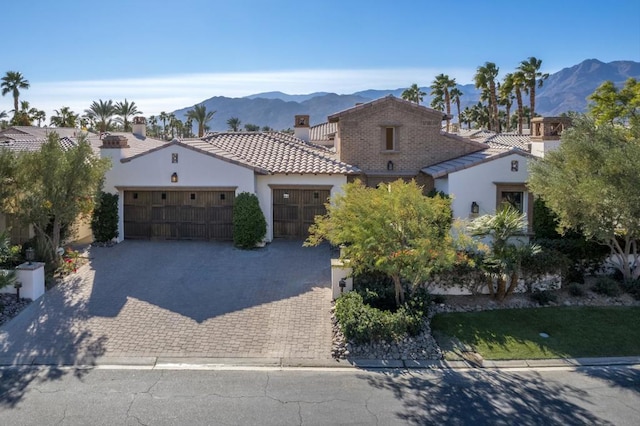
[[465, 117], [440, 89], [126, 110], [200, 114], [485, 79], [39, 116], [64, 118], [153, 124], [12, 82], [234, 124], [101, 112], [164, 117], [172, 124], [480, 114], [413, 94], [455, 98], [519, 84], [188, 126], [505, 91], [533, 77]]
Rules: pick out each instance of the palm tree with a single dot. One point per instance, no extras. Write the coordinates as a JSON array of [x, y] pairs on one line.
[[518, 81], [413, 94], [485, 79], [465, 117], [506, 96], [101, 112], [12, 82], [533, 77], [201, 116], [39, 116], [440, 89], [64, 118], [480, 115], [172, 124], [126, 110], [164, 117], [188, 126], [234, 124], [455, 98]]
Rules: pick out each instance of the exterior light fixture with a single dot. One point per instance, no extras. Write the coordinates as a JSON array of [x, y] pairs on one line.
[[342, 284], [475, 208], [174, 177], [30, 255], [514, 166], [390, 165]]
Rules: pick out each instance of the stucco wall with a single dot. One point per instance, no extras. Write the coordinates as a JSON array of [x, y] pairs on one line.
[[265, 194], [194, 169], [478, 184]]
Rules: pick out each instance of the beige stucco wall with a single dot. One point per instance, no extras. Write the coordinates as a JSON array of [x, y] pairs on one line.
[[194, 169]]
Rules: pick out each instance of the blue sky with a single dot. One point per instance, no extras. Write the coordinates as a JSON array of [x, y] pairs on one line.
[[169, 55]]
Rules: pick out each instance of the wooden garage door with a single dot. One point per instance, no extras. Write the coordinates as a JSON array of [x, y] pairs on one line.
[[180, 215], [294, 210]]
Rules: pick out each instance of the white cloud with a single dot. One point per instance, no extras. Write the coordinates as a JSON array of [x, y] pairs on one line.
[[171, 92]]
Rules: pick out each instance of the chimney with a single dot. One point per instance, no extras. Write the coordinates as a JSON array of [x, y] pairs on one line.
[[139, 127], [301, 127], [115, 142]]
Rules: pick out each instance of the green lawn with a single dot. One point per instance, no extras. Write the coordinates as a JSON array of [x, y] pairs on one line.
[[573, 332]]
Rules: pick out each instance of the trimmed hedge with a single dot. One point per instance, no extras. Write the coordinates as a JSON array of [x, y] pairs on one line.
[[249, 224], [104, 222]]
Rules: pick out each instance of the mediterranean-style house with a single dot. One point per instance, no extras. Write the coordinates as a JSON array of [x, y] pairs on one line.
[[185, 189]]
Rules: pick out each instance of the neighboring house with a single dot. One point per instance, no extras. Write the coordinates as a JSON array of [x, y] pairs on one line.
[[31, 138], [186, 189]]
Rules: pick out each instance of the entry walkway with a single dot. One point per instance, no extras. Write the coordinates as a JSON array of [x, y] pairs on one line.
[[181, 299]]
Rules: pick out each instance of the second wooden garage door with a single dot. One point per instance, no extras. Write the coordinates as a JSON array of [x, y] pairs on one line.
[[180, 215], [294, 210]]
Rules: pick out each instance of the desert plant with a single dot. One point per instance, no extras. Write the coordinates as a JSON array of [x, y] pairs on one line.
[[104, 222], [576, 289], [633, 288], [543, 297], [249, 224], [606, 286]]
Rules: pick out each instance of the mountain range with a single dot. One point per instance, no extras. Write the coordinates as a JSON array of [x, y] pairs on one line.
[[565, 90]]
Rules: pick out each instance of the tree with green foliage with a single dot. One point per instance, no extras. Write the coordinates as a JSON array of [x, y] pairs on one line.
[[55, 186], [504, 261], [249, 224], [610, 105], [393, 229], [456, 94], [104, 221], [591, 183], [64, 118], [440, 91], [234, 124], [485, 79], [251, 127], [201, 116], [101, 113], [124, 110], [413, 94], [533, 78], [12, 82]]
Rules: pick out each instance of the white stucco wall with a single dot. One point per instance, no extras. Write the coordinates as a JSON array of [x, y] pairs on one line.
[[265, 194], [539, 149], [194, 170], [477, 184]]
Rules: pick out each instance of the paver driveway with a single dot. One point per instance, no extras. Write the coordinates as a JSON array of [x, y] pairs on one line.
[[181, 299]]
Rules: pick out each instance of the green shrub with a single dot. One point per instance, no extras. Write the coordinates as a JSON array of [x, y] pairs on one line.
[[607, 287], [104, 222], [362, 323], [576, 289], [633, 288], [543, 297], [376, 288], [249, 224]]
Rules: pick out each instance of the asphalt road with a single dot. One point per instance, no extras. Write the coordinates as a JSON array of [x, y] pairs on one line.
[[590, 395]]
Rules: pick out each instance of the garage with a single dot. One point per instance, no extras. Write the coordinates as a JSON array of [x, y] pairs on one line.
[[179, 214], [294, 209]]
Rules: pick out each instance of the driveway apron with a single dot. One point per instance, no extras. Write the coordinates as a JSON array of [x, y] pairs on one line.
[[181, 299]]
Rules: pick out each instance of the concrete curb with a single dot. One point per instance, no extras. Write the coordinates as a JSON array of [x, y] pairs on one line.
[[185, 363]]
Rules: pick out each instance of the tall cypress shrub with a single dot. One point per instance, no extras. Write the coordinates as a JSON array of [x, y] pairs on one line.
[[104, 223], [249, 224]]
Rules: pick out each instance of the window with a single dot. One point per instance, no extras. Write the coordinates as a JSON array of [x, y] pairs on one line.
[[163, 196], [193, 196], [174, 157], [517, 196], [223, 196], [390, 138]]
